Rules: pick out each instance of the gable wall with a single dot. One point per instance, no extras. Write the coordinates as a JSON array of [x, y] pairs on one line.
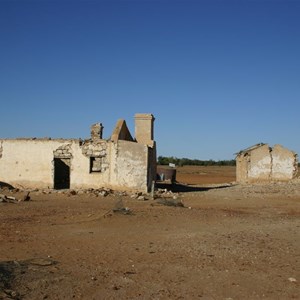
[[259, 167]]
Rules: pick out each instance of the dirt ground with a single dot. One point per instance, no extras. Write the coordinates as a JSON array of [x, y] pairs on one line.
[[227, 242]]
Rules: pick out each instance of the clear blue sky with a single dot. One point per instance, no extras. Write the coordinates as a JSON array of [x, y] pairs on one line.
[[219, 76]]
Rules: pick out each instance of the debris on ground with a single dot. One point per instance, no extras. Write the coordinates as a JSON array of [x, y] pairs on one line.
[[7, 199], [11, 199], [25, 197], [166, 194], [120, 208], [170, 202]]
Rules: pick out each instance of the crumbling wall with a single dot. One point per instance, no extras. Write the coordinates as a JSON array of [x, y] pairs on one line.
[[63, 151], [120, 163], [260, 164], [263, 164], [97, 153], [285, 163], [242, 165], [96, 131], [90, 164]]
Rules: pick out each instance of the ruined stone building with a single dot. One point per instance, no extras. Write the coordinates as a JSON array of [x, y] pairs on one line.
[[261, 163], [121, 162]]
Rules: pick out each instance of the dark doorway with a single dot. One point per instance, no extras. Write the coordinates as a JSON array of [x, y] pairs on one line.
[[61, 173]]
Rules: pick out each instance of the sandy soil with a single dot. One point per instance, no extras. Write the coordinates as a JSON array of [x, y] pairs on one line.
[[230, 242]]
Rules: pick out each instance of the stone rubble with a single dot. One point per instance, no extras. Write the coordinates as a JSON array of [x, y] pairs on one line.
[[290, 188], [11, 199]]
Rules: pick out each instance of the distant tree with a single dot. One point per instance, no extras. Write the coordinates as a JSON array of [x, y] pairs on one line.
[[163, 160]]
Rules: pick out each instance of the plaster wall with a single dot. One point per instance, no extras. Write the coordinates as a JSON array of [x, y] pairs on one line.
[[284, 163], [266, 164], [81, 177], [28, 163], [129, 165], [242, 163], [260, 164], [144, 128]]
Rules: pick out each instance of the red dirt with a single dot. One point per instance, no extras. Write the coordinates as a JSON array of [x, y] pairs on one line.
[[240, 242]]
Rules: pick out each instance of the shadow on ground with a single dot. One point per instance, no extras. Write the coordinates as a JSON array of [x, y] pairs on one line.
[[183, 188], [12, 273]]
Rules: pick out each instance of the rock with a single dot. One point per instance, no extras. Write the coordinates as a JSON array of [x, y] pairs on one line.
[[103, 193], [25, 197], [7, 199]]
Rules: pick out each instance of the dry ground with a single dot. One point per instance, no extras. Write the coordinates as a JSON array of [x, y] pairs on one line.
[[237, 242]]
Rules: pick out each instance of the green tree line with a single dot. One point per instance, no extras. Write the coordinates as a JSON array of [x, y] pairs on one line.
[[164, 160]]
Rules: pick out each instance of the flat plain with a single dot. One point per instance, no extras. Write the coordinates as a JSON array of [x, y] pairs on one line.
[[226, 241]]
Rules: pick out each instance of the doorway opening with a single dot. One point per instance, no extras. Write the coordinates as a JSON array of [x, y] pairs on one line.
[[61, 173]]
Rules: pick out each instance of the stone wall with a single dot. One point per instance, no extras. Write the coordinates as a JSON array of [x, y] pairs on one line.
[[96, 131]]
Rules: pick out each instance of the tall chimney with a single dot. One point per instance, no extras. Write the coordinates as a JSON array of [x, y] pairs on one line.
[[144, 128]]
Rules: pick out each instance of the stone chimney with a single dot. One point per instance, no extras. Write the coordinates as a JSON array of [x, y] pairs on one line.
[[96, 131], [144, 128]]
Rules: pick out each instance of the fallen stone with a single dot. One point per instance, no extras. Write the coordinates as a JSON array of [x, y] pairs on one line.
[[7, 199], [119, 208], [25, 197], [134, 196], [103, 193]]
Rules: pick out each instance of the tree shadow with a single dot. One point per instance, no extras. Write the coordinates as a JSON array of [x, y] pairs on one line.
[[184, 188]]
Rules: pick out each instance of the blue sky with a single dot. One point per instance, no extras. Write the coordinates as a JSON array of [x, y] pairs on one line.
[[219, 76]]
